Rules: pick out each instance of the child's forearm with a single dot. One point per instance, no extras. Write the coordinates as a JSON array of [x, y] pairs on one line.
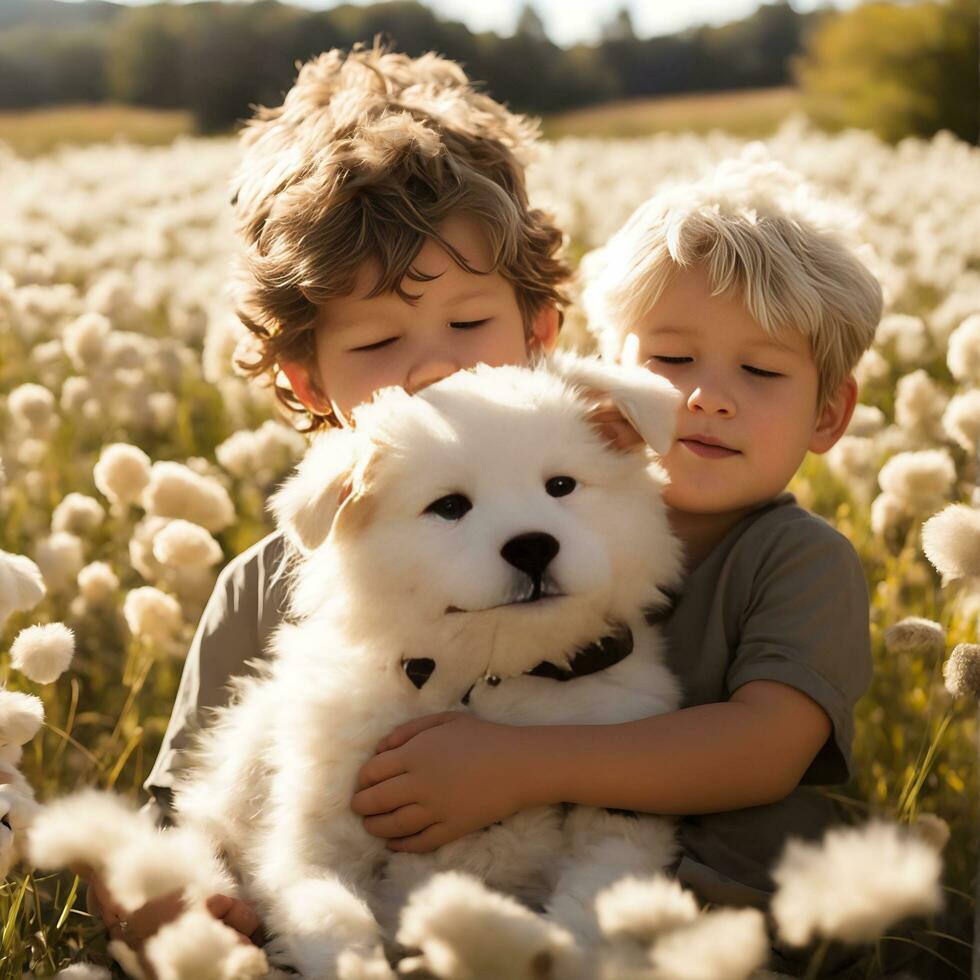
[[704, 759]]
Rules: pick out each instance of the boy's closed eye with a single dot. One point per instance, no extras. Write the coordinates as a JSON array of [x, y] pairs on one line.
[[750, 368], [387, 341]]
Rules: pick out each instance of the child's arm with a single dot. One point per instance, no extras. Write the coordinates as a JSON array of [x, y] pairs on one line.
[[456, 773]]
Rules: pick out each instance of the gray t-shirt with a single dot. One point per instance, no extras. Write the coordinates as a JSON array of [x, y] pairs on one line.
[[782, 597]]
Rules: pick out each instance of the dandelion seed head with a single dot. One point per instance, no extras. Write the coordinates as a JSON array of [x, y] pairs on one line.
[[21, 585], [76, 392], [175, 490], [83, 971], [866, 421], [914, 635], [60, 557], [182, 544], [961, 420], [151, 614], [919, 403], [728, 944], [905, 337], [85, 340], [97, 583], [871, 369], [77, 514], [887, 512], [854, 884], [122, 472], [951, 541], [43, 653], [961, 672], [197, 945], [921, 480], [32, 407], [963, 353], [21, 717], [84, 830], [641, 908]]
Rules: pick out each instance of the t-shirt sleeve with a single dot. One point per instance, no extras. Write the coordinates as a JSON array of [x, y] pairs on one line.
[[806, 625], [231, 632]]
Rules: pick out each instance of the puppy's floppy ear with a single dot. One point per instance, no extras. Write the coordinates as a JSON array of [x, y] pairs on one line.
[[307, 503], [634, 406]]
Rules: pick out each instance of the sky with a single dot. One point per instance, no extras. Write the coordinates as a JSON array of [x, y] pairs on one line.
[[570, 21]]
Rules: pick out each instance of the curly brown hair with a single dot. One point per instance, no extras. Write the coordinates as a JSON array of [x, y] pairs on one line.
[[368, 154]]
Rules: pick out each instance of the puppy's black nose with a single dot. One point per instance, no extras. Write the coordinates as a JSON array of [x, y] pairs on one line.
[[531, 552]]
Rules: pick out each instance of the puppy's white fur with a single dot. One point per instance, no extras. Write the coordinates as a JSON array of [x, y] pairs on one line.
[[379, 581]]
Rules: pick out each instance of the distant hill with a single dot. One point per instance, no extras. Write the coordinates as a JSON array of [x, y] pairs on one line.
[[55, 14]]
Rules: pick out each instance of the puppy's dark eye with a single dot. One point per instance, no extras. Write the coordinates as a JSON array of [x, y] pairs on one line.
[[452, 507], [560, 486]]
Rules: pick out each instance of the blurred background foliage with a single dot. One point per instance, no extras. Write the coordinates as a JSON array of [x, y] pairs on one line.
[[898, 69]]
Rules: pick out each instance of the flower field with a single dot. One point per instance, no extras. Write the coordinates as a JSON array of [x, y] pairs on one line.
[[136, 463]]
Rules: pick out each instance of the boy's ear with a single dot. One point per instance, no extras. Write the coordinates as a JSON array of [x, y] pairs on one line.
[[635, 406], [544, 330], [305, 388], [835, 416], [306, 505]]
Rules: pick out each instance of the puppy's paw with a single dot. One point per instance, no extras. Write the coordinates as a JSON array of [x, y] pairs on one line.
[[464, 931]]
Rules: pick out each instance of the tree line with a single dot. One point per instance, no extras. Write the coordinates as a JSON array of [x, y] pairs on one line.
[[218, 58]]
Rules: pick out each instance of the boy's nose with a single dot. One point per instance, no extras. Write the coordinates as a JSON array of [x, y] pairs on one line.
[[712, 400], [427, 373]]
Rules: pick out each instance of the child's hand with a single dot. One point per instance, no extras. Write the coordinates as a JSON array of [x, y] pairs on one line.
[[437, 778], [139, 925]]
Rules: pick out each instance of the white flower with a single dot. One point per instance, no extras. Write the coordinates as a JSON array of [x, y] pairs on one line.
[[919, 403], [914, 634], [150, 865], [176, 490], [961, 420], [31, 453], [951, 541], [84, 829], [163, 410], [866, 421], [263, 454], [60, 558], [83, 971], [21, 585], [78, 514], [854, 884], [963, 354], [76, 394], [97, 583], [151, 613], [43, 653], [932, 829], [727, 944], [85, 339], [197, 945], [921, 480], [887, 512], [905, 336], [21, 717], [32, 407], [962, 671], [122, 472], [182, 544], [642, 908], [871, 368], [853, 460]]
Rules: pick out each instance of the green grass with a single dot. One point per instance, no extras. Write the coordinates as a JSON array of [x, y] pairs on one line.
[[749, 113], [32, 132]]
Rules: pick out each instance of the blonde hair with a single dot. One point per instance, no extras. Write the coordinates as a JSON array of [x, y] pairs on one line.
[[368, 154], [759, 232]]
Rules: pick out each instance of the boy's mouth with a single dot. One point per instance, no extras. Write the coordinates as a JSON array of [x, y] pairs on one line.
[[708, 448]]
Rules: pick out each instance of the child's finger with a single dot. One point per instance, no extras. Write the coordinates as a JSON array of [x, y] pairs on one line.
[[428, 840], [384, 797], [400, 735], [403, 822], [233, 913], [379, 768]]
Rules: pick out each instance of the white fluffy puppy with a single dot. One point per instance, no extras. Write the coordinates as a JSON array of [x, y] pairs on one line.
[[492, 543]]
